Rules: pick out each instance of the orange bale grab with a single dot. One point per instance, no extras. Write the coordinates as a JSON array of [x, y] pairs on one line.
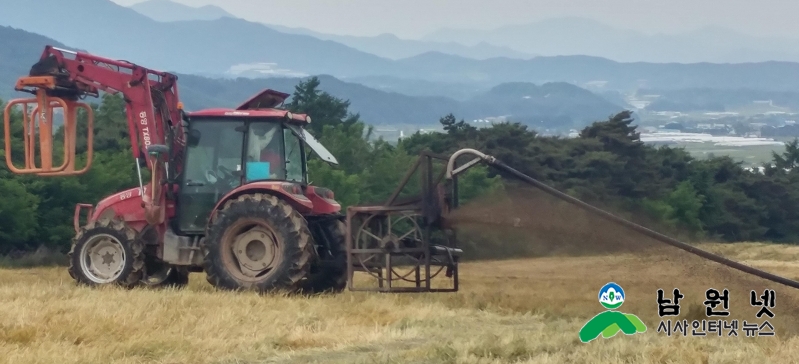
[[39, 121]]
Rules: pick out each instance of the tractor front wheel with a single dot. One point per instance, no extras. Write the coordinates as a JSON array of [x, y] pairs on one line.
[[257, 242], [330, 274], [106, 252]]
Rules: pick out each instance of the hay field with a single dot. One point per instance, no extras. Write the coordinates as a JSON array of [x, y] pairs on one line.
[[524, 310]]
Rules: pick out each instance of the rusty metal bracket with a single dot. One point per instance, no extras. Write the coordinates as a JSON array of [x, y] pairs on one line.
[[398, 235]]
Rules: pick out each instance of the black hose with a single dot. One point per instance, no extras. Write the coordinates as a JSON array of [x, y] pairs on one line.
[[638, 228]]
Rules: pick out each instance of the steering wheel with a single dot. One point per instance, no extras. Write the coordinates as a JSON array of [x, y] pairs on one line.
[[210, 176], [228, 172], [224, 175]]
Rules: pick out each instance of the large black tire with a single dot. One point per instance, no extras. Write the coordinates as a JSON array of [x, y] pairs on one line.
[[331, 275], [86, 262], [287, 228]]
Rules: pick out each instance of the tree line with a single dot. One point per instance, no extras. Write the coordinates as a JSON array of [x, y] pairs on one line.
[[607, 164]]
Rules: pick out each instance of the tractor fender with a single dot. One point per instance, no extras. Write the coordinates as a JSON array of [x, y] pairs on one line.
[[323, 201], [125, 205], [298, 201]]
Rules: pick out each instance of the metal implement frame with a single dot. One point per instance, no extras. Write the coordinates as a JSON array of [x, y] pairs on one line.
[[430, 205]]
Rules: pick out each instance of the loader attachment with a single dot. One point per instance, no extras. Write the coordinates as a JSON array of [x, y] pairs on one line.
[[37, 116], [403, 244]]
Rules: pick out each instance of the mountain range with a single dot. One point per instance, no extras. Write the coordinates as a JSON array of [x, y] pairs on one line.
[[204, 47], [580, 36], [390, 46], [232, 47], [384, 45], [167, 11], [550, 105], [585, 70], [222, 59], [550, 37]]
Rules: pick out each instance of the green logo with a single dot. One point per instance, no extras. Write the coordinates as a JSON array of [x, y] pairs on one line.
[[610, 322]]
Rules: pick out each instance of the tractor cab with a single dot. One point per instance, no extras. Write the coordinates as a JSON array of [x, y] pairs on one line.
[[227, 149]]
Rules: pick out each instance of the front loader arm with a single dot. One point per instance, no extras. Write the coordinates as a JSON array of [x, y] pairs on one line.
[[151, 99], [87, 72]]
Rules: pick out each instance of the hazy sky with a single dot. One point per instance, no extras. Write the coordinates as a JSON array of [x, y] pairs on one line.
[[414, 18]]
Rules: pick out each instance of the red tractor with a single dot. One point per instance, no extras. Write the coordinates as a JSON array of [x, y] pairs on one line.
[[228, 192]]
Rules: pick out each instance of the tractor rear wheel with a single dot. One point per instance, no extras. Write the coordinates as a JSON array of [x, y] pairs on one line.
[[257, 242], [106, 252], [330, 275]]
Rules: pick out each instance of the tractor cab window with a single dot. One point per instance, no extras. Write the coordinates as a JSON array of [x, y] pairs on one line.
[[265, 152], [212, 169], [294, 156], [274, 152], [213, 153]]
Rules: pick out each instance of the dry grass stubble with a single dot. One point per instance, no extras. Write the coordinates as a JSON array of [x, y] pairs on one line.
[[533, 224], [506, 312]]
